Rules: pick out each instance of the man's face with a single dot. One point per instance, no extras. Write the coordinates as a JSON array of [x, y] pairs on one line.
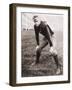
[[37, 21]]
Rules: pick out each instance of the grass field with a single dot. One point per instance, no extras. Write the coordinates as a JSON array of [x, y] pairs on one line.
[[47, 65]]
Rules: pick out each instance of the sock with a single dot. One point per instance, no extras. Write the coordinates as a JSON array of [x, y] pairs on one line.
[[37, 56], [56, 60]]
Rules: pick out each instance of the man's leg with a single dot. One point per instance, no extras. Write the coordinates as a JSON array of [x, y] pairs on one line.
[[56, 60], [57, 63], [55, 55], [38, 51]]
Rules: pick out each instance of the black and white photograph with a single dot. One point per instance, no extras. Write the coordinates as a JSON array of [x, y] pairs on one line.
[[40, 53], [41, 44]]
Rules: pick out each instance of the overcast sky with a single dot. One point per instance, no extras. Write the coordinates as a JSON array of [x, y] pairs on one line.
[[54, 20]]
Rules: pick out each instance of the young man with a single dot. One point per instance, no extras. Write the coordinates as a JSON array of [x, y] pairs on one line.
[[44, 29]]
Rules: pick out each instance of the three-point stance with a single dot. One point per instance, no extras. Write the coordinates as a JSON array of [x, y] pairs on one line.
[[44, 29]]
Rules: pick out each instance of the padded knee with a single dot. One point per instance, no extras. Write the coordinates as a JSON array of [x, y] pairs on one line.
[[54, 52]]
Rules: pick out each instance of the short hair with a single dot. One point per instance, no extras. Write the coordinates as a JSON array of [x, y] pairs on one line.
[[35, 16]]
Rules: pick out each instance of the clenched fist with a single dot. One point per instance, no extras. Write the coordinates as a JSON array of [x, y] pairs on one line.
[[37, 47]]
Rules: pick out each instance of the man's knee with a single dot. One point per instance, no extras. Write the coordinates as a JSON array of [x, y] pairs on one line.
[[54, 52]]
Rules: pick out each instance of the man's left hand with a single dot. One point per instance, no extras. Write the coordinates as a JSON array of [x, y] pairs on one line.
[[51, 49]]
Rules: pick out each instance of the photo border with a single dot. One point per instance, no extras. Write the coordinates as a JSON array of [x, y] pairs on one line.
[[12, 77]]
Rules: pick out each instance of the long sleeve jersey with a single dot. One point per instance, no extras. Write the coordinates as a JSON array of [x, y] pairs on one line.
[[45, 30]]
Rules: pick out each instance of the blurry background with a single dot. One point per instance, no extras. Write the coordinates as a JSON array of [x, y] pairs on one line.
[[54, 20]]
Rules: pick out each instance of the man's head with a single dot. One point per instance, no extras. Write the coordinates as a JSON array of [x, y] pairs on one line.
[[36, 20]]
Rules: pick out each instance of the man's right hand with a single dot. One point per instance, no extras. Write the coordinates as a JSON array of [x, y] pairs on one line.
[[37, 47]]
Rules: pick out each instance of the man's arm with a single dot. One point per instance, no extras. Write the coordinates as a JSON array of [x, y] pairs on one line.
[[48, 36], [37, 36], [51, 32]]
